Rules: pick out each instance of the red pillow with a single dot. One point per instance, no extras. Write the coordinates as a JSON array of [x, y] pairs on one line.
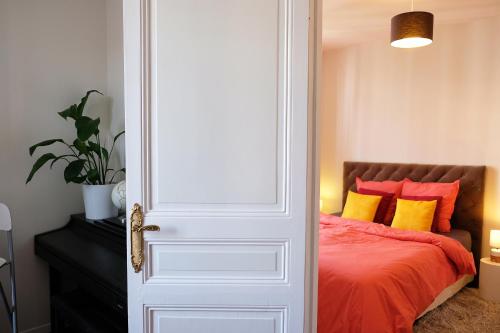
[[435, 221], [383, 206], [388, 186], [448, 192]]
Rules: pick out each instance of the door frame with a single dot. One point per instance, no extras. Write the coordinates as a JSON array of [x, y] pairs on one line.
[[313, 194]]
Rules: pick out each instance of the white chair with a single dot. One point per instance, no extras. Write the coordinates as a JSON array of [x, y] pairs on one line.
[[6, 225]]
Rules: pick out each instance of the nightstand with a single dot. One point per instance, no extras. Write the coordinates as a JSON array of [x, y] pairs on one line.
[[489, 280]]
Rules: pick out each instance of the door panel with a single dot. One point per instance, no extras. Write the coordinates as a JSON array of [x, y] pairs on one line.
[[216, 120], [226, 56], [204, 261], [228, 106], [216, 320]]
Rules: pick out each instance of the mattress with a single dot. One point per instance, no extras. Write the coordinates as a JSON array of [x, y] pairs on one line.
[[463, 236], [448, 293]]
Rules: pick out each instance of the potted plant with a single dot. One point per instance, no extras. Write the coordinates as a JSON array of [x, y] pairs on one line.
[[88, 161]]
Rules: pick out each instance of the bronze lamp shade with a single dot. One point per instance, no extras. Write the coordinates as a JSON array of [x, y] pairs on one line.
[[412, 29]]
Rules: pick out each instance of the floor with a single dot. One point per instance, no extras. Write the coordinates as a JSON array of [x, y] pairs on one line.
[[466, 312]]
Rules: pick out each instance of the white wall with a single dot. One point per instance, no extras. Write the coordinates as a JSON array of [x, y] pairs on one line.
[[439, 104], [51, 52], [114, 74]]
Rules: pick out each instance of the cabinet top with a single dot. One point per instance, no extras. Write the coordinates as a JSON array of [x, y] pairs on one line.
[[487, 260]]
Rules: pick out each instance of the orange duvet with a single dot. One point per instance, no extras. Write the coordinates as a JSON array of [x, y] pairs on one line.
[[374, 278]]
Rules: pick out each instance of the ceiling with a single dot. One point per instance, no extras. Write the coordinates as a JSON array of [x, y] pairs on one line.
[[348, 22]]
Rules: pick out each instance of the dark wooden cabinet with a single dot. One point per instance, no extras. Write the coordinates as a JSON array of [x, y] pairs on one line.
[[88, 278]]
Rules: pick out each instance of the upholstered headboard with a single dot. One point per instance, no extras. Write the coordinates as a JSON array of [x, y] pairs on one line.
[[468, 214]]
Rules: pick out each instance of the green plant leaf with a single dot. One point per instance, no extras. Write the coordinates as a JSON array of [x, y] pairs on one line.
[[118, 136], [94, 147], [44, 143], [79, 180], [71, 112], [84, 100], [38, 164], [105, 154], [73, 171], [93, 176], [59, 158], [80, 146], [86, 127]]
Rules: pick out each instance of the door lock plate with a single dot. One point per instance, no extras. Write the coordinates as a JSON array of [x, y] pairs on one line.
[[137, 229]]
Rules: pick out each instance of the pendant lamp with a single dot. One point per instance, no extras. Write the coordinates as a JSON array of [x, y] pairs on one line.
[[412, 29]]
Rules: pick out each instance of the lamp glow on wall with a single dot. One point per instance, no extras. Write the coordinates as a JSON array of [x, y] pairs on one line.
[[412, 29], [495, 245]]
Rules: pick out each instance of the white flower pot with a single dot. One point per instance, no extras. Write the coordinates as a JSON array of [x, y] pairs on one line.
[[97, 201]]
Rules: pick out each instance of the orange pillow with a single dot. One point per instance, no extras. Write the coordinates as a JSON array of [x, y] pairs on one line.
[[389, 186], [448, 191]]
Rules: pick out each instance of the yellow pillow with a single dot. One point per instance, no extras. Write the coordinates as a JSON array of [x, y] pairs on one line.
[[414, 215], [361, 207]]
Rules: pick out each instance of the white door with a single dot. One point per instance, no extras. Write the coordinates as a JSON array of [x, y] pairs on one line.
[[216, 120]]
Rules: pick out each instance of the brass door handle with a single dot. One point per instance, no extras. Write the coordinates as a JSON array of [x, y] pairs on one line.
[[137, 229], [145, 228]]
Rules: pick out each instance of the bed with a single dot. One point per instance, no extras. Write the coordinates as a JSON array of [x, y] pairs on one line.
[[374, 278]]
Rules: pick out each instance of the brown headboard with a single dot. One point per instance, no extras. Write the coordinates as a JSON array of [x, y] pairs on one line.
[[468, 214]]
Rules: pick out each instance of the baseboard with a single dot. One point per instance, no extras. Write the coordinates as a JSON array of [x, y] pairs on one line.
[[45, 328]]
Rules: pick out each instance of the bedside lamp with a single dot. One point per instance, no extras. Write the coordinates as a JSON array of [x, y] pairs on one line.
[[495, 245]]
